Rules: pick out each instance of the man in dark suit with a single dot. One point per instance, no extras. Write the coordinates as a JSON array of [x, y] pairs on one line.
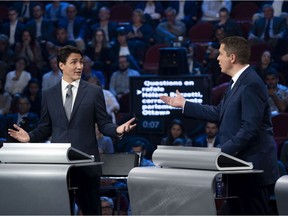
[[69, 113], [268, 29], [244, 121], [24, 9], [210, 138]]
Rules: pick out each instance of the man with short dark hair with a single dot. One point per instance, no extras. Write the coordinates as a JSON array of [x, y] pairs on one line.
[[70, 110], [245, 127]]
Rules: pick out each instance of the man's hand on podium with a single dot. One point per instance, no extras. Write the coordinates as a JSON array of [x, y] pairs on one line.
[[178, 101], [19, 134]]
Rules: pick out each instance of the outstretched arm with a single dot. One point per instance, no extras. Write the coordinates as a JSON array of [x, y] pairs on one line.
[[126, 127], [19, 134], [178, 101]]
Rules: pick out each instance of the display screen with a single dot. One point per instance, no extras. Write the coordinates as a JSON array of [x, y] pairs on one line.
[[153, 112]]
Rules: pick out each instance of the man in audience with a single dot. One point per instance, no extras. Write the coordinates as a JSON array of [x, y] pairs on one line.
[[210, 139], [119, 83], [54, 76], [169, 30], [278, 93], [107, 205], [268, 29]]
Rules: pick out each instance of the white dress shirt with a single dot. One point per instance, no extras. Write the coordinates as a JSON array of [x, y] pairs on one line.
[[64, 88]]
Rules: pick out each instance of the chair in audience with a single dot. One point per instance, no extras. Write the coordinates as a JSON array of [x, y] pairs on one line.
[[3, 13], [121, 13], [152, 57], [246, 27], [201, 32], [244, 10], [218, 93]]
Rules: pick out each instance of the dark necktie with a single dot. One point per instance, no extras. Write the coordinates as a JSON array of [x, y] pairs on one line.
[[24, 11], [229, 88], [266, 33], [68, 101]]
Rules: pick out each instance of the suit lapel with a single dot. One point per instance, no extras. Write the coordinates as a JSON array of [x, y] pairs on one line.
[[80, 95]]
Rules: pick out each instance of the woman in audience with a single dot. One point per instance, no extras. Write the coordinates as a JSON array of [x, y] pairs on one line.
[[98, 50], [176, 135], [31, 50], [264, 64], [17, 80], [33, 93]]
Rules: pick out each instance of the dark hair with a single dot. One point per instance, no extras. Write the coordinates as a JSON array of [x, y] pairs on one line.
[[224, 9], [271, 71], [238, 46], [64, 53], [104, 42], [21, 57], [32, 36], [170, 138]]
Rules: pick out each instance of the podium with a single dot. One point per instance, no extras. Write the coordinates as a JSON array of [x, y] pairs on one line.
[[183, 181], [35, 177]]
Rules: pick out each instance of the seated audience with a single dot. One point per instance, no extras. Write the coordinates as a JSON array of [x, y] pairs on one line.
[[107, 205], [24, 118], [176, 135], [52, 77], [210, 9], [119, 82], [5, 100], [34, 94], [76, 26], [17, 79], [112, 105], [264, 65], [88, 71], [7, 56], [210, 139], [168, 31], [194, 66], [268, 29], [56, 10], [24, 9], [139, 148], [230, 26], [278, 93], [98, 49], [105, 143]]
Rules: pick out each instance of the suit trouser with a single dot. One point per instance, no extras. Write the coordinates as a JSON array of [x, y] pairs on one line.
[[87, 193]]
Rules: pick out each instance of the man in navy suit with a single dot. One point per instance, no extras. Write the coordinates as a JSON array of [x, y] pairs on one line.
[[77, 127], [244, 121], [210, 139]]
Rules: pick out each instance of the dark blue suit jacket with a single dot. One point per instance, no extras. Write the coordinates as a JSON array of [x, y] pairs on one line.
[[190, 8], [79, 27], [201, 141], [18, 33], [47, 29], [279, 26], [244, 121], [89, 108]]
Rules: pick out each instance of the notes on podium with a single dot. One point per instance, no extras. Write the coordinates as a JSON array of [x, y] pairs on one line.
[[43, 153], [197, 158]]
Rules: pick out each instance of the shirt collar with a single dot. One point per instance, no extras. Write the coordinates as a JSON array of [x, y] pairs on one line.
[[237, 75], [74, 83]]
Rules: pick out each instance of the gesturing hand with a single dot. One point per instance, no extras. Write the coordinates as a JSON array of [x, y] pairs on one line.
[[19, 134], [177, 101], [126, 127]]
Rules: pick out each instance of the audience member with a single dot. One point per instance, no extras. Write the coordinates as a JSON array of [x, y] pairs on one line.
[[31, 50], [280, 53], [140, 33], [210, 9], [119, 82], [56, 10], [112, 105], [186, 10], [168, 31], [278, 100], [5, 100], [268, 29], [264, 65], [123, 47], [210, 139], [24, 118], [176, 135], [104, 23], [138, 147], [17, 80], [107, 205], [12, 28], [89, 10], [52, 77], [34, 95], [41, 27], [153, 11], [105, 143], [24, 9], [98, 50], [75, 26], [194, 66], [61, 40], [7, 56], [230, 26], [88, 71]]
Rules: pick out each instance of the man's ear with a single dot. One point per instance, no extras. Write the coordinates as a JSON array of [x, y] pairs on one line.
[[232, 58], [61, 65]]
